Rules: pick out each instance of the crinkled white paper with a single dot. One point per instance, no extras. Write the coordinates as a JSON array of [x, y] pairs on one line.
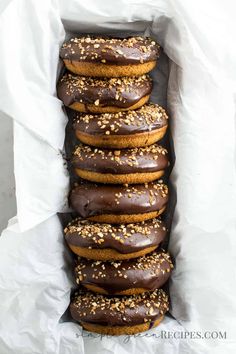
[[35, 271]]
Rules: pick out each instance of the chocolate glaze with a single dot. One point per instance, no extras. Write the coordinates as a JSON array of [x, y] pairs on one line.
[[89, 199], [121, 92], [149, 272], [137, 160], [114, 51], [145, 119], [119, 311], [122, 238]]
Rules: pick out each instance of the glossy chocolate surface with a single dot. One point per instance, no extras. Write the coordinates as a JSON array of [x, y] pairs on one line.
[[148, 272], [112, 51], [119, 92], [119, 311], [137, 160], [145, 119], [124, 239], [89, 199]]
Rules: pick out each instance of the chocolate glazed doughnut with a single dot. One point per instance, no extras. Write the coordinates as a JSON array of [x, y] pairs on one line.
[[119, 203], [86, 94], [110, 57], [137, 128], [114, 242], [137, 165], [119, 315], [128, 277]]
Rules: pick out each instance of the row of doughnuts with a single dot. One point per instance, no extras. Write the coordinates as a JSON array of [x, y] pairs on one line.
[[118, 195]]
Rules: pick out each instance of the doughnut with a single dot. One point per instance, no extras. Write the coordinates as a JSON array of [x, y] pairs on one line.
[[119, 315], [100, 241], [137, 165], [87, 94], [137, 128], [119, 203], [127, 277], [110, 57]]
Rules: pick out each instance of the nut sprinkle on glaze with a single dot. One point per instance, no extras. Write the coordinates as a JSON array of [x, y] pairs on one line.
[[116, 51], [119, 92], [119, 311], [130, 156], [146, 118], [91, 199], [126, 277], [131, 166], [92, 234], [103, 241], [124, 129], [88, 229]]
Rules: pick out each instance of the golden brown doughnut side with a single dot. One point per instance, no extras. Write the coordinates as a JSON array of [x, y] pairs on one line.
[[99, 290], [108, 254], [126, 218], [108, 178], [106, 70], [122, 141]]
